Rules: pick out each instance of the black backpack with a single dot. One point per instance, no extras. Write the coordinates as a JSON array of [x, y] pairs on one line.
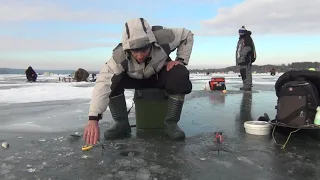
[[297, 103], [298, 98]]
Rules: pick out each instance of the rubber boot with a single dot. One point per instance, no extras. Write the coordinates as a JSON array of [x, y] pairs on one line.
[[171, 128], [118, 109], [244, 88]]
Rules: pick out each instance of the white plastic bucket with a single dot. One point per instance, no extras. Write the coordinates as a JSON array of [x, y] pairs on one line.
[[257, 127]]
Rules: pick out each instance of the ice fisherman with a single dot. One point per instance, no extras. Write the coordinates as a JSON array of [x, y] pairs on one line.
[[245, 56], [142, 60], [31, 75]]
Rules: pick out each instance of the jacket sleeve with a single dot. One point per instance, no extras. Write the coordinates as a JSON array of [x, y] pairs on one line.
[[242, 52], [245, 51], [102, 89], [183, 41], [247, 46]]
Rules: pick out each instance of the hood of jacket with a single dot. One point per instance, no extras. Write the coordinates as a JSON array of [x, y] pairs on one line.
[[29, 68], [246, 33], [137, 33]]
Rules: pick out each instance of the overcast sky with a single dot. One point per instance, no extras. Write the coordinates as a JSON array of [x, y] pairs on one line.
[[71, 34]]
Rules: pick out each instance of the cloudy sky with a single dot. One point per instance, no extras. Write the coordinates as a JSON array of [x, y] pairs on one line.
[[70, 34]]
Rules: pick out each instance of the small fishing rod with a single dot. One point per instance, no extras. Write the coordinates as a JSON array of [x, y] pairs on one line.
[[218, 140]]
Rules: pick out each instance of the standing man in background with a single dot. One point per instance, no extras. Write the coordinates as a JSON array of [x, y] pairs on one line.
[[245, 56]]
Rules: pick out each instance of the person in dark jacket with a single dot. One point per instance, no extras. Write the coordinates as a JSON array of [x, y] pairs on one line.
[[272, 72], [245, 56], [31, 74]]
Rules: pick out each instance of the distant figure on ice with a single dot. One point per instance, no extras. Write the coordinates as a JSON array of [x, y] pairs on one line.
[[245, 56], [272, 72], [81, 75], [31, 74], [93, 78], [142, 61]]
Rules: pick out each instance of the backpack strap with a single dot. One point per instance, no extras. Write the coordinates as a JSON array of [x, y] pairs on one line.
[[162, 35], [125, 65], [166, 48]]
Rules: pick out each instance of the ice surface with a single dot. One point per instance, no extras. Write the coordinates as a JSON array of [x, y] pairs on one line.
[[49, 91], [50, 107], [57, 156], [58, 106], [45, 92], [52, 89]]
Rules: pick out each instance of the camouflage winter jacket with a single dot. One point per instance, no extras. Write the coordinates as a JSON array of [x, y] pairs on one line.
[[138, 33]]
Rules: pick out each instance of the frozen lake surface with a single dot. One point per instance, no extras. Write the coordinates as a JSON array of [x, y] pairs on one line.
[[38, 118]]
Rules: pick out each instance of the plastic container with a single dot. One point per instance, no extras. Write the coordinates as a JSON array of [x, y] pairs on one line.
[[317, 117], [151, 108], [217, 84], [257, 127]]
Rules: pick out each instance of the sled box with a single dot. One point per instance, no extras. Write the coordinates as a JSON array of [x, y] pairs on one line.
[[151, 108], [217, 84]]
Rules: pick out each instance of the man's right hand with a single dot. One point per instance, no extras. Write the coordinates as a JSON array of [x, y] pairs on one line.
[[92, 132]]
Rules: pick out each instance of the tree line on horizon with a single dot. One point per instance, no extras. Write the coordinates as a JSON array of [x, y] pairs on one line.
[[258, 68], [39, 71]]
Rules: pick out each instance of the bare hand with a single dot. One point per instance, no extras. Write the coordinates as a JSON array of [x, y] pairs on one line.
[[91, 132], [172, 63]]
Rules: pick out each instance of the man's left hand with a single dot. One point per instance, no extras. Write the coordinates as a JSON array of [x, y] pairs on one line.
[[172, 63]]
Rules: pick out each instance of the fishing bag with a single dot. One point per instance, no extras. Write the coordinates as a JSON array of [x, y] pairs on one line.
[[298, 98]]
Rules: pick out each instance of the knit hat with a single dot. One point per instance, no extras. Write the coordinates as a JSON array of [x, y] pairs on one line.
[[242, 30]]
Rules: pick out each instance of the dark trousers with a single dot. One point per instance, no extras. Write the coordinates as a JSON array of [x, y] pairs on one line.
[[175, 81], [246, 75]]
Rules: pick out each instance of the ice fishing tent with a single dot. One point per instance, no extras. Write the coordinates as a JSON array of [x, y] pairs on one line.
[[31, 75], [73, 74], [81, 75], [46, 74]]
